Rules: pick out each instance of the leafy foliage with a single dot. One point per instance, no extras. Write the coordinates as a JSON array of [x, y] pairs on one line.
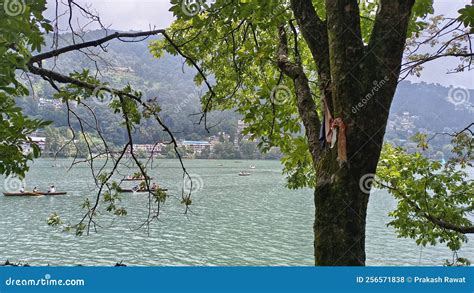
[[467, 16], [21, 32], [433, 199]]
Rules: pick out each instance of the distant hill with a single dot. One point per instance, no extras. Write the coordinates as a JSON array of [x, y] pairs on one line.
[[166, 78], [417, 107], [429, 108], [431, 102]]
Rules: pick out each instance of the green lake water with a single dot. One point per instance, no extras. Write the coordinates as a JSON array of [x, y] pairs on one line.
[[234, 220]]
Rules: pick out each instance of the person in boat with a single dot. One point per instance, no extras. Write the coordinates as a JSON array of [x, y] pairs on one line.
[[35, 189], [51, 189], [154, 186]]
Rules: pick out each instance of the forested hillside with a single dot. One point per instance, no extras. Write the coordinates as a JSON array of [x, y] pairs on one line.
[[417, 107], [167, 79]]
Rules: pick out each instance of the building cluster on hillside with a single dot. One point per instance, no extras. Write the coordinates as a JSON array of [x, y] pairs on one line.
[[404, 122], [54, 103], [121, 69], [43, 102]]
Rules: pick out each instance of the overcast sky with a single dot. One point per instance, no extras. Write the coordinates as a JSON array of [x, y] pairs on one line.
[[143, 14]]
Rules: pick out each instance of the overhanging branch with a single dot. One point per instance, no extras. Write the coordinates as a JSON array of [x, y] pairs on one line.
[[433, 219], [94, 43], [304, 100]]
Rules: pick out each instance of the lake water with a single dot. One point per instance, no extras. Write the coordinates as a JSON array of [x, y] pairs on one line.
[[235, 220]]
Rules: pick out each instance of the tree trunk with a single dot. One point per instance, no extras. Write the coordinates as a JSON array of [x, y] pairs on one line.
[[358, 82], [339, 225], [341, 197]]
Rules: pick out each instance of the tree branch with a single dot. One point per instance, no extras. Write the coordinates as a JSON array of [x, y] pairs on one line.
[[435, 220], [94, 43], [304, 100], [314, 31], [388, 38]]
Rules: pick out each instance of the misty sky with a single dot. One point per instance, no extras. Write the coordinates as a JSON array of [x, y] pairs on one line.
[[143, 14]]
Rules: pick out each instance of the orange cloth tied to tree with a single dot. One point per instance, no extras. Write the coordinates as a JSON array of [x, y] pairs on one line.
[[335, 129], [341, 139]]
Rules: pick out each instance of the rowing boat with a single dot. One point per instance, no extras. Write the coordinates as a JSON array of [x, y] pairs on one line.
[[52, 193], [22, 194], [137, 179], [32, 193], [139, 190], [243, 173]]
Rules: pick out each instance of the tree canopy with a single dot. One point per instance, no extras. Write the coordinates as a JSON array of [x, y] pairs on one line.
[[22, 27], [293, 69]]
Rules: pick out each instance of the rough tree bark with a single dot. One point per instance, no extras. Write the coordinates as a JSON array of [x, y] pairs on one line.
[[348, 71]]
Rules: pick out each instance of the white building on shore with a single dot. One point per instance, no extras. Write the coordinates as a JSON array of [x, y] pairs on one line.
[[196, 146], [40, 141]]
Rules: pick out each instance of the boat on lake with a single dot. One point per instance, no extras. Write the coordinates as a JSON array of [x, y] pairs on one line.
[[126, 190], [243, 173], [252, 167], [22, 194], [53, 193], [134, 178], [28, 193]]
